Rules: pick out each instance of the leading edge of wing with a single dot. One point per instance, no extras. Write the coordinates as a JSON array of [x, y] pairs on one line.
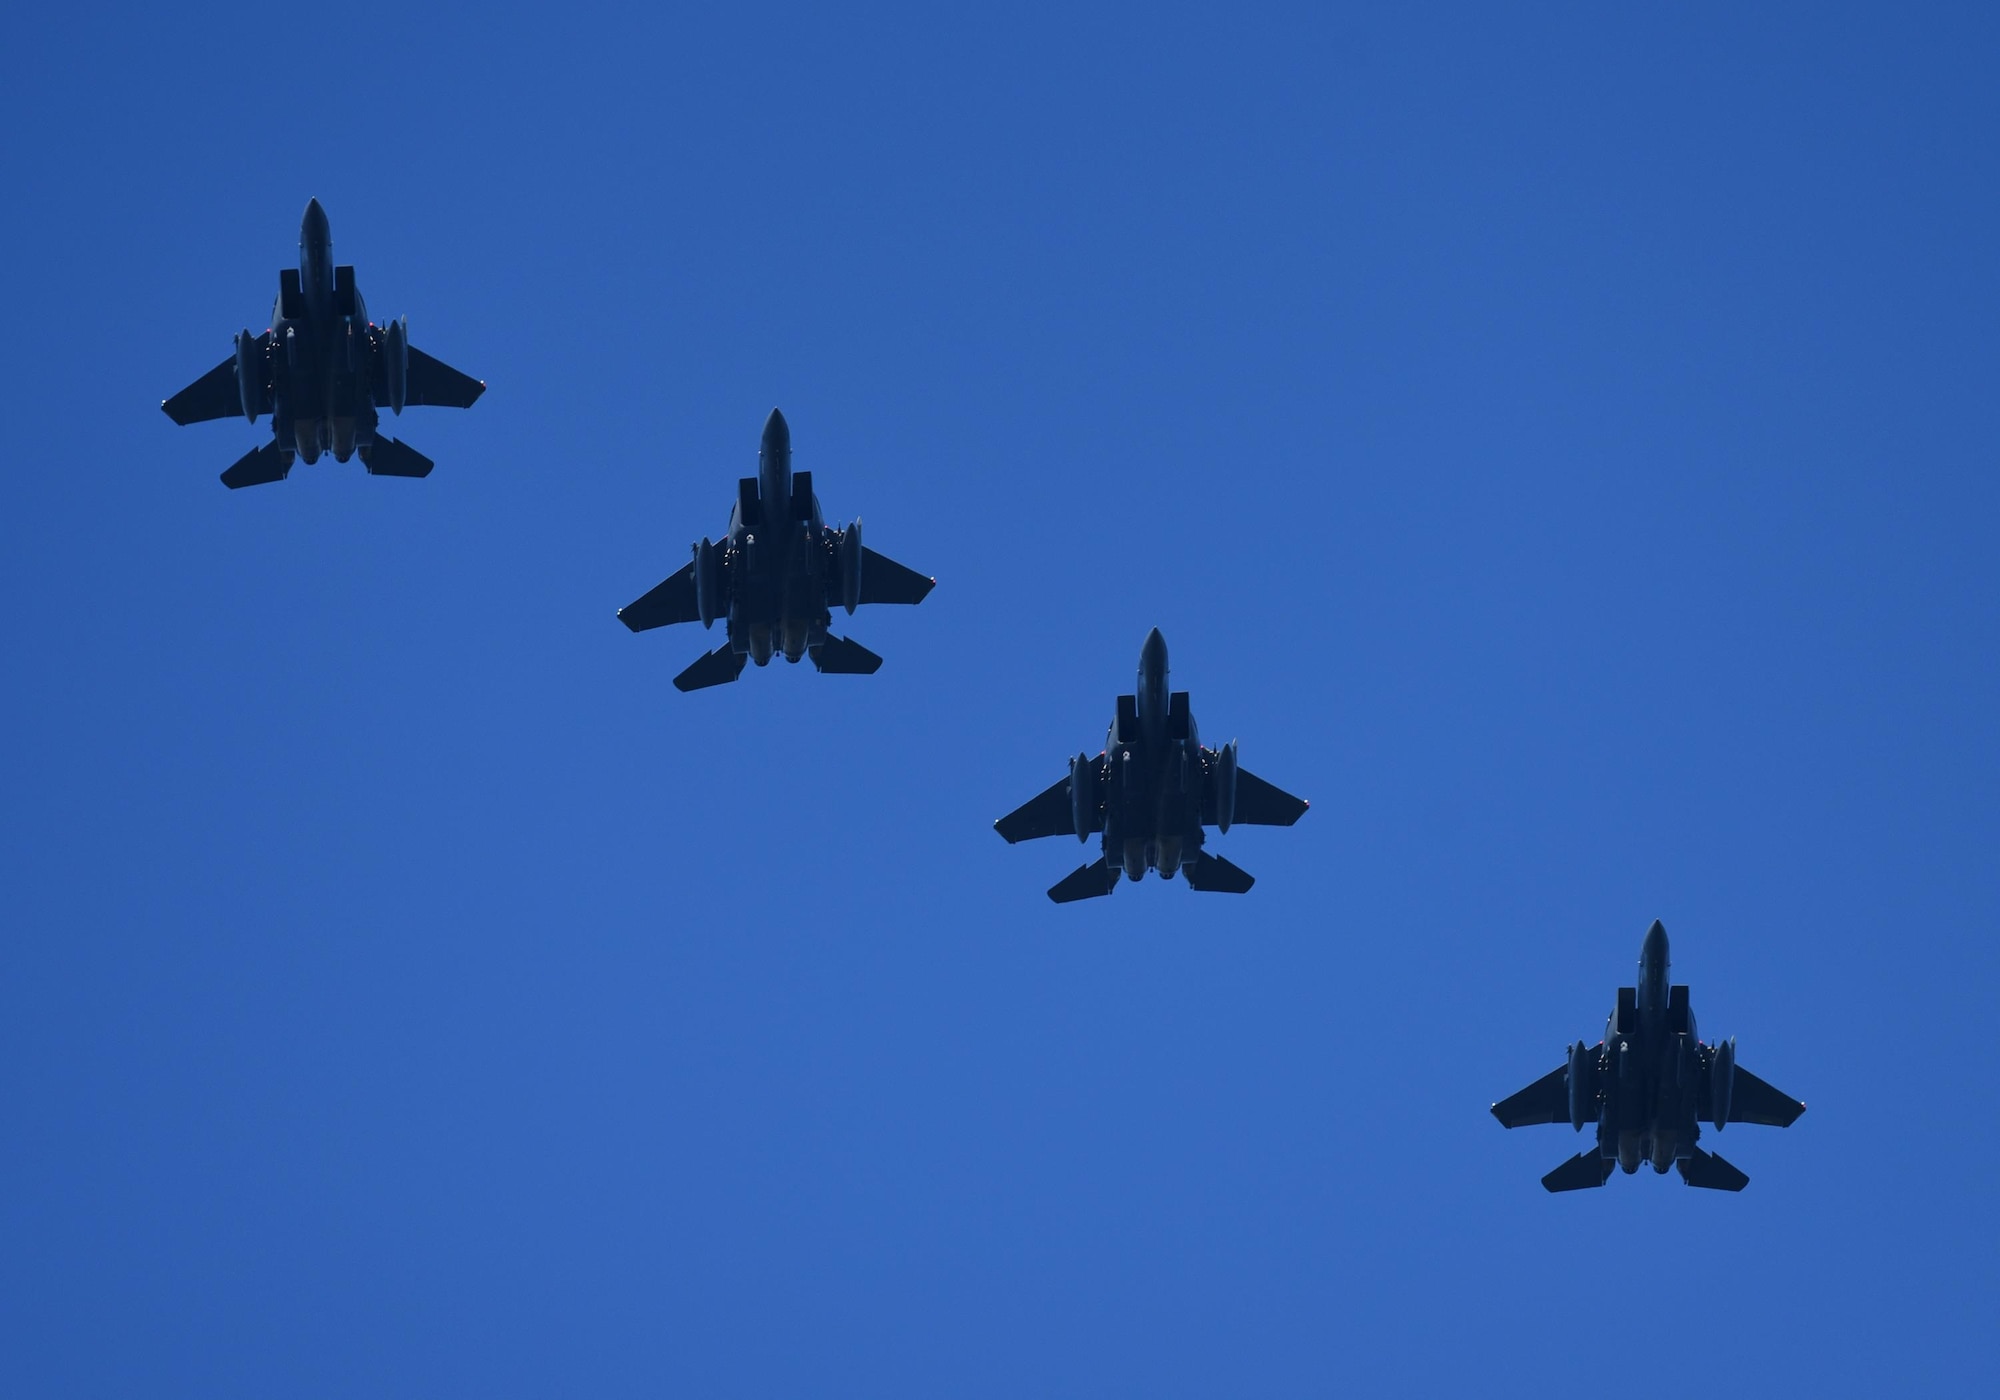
[[1544, 1101], [1046, 814], [883, 580], [212, 396], [1751, 1100], [435, 384], [670, 602], [1259, 803]]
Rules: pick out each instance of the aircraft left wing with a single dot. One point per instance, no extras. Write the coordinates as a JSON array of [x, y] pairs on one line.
[[1045, 815], [1751, 1100], [1544, 1101], [672, 601], [212, 396], [883, 580], [436, 383], [1258, 803]]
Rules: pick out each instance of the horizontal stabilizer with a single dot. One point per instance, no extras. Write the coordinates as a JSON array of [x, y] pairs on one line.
[[1218, 876], [836, 656], [1544, 1101], [391, 458], [1580, 1173], [1085, 882], [1707, 1170], [672, 601], [212, 396], [267, 464], [433, 382], [883, 580], [719, 667]]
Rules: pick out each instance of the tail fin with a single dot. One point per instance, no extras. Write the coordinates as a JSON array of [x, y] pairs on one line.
[[267, 464], [1580, 1173], [391, 458], [1085, 882], [1218, 876], [836, 656], [719, 667], [1708, 1170]]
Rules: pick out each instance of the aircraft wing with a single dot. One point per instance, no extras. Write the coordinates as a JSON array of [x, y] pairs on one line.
[[1045, 815], [883, 580], [436, 383], [212, 396], [1751, 1100], [671, 602], [1544, 1101], [1258, 803]]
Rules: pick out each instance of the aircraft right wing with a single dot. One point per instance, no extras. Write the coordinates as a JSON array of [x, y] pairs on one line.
[[1544, 1101], [672, 601], [1751, 1100], [212, 396], [1045, 815], [883, 580], [433, 382]]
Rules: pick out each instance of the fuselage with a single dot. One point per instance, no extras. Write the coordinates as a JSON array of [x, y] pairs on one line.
[[316, 263], [1155, 775], [779, 560], [1653, 1068], [322, 352]]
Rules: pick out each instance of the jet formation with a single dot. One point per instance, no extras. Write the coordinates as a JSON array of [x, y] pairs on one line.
[[1151, 792], [1649, 1085], [774, 576], [321, 371]]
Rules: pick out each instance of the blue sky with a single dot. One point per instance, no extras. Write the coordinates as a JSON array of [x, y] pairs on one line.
[[1557, 442]]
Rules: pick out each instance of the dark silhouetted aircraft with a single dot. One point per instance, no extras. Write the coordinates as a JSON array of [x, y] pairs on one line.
[[774, 577], [1649, 1085], [320, 371], [1151, 792]]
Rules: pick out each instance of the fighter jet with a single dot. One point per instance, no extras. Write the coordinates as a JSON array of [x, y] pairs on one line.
[[774, 576], [320, 371], [1151, 792], [1649, 1085]]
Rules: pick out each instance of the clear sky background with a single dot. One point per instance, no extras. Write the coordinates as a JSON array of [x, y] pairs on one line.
[[1558, 442]]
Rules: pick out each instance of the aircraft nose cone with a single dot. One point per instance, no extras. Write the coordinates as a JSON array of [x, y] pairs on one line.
[[777, 432], [1655, 947], [1154, 653], [313, 227]]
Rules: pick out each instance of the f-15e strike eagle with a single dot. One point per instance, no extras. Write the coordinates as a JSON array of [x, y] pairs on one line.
[[1151, 792], [320, 371], [774, 577], [1649, 1085]]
